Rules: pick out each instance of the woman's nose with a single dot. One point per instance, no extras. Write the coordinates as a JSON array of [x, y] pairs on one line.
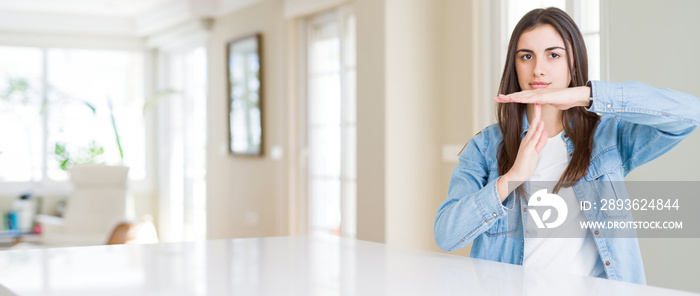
[[538, 70]]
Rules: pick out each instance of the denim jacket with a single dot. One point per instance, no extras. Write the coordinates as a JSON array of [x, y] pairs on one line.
[[638, 124]]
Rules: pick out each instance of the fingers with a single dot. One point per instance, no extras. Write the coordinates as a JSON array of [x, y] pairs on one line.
[[530, 148], [542, 141], [562, 98], [501, 98], [534, 122], [537, 131], [541, 137], [524, 97]]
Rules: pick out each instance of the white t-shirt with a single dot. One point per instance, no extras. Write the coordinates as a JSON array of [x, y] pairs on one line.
[[575, 253]]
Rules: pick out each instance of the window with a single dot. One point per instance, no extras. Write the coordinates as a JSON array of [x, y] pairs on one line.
[[331, 124], [21, 126], [63, 95], [99, 78], [182, 144]]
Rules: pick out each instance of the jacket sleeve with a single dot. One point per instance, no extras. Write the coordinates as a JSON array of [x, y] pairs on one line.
[[472, 204], [650, 120]]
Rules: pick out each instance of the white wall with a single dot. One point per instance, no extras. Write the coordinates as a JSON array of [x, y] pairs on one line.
[[247, 188], [656, 42], [414, 95], [371, 101], [458, 84], [414, 100]]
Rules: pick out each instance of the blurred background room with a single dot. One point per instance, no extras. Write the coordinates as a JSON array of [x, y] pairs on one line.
[[219, 119]]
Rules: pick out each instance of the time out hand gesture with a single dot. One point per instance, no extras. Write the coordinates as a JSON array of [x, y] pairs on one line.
[[560, 98], [528, 154]]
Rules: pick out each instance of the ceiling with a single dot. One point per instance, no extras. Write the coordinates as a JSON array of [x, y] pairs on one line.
[[122, 8], [124, 18]]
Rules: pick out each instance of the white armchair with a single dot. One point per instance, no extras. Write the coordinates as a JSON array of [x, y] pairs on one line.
[[96, 206]]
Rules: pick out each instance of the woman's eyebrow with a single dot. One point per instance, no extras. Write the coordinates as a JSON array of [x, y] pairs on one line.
[[548, 49], [555, 47]]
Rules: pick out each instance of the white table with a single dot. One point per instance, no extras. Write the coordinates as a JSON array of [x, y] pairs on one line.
[[281, 266]]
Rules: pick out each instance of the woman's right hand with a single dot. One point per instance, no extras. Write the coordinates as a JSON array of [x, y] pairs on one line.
[[528, 154]]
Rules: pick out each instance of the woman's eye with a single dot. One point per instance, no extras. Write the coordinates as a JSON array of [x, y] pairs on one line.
[[526, 56], [554, 55]]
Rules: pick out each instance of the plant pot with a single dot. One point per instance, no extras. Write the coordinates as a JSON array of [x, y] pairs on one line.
[[99, 175], [96, 206]]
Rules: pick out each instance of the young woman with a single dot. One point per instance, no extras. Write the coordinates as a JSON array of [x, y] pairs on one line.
[[550, 128]]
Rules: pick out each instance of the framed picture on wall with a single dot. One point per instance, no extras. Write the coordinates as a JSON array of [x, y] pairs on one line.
[[245, 96]]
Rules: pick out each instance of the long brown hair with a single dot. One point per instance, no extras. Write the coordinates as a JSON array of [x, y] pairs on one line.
[[579, 124]]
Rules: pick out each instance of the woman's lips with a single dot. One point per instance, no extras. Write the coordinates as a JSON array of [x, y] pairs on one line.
[[536, 85]]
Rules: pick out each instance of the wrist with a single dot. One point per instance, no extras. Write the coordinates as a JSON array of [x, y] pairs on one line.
[[506, 177], [511, 179], [585, 96], [506, 185]]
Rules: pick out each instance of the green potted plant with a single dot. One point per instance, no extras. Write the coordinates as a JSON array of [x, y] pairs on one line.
[[92, 153]]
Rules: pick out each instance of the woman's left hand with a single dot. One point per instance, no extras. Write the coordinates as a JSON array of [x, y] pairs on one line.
[[560, 98]]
